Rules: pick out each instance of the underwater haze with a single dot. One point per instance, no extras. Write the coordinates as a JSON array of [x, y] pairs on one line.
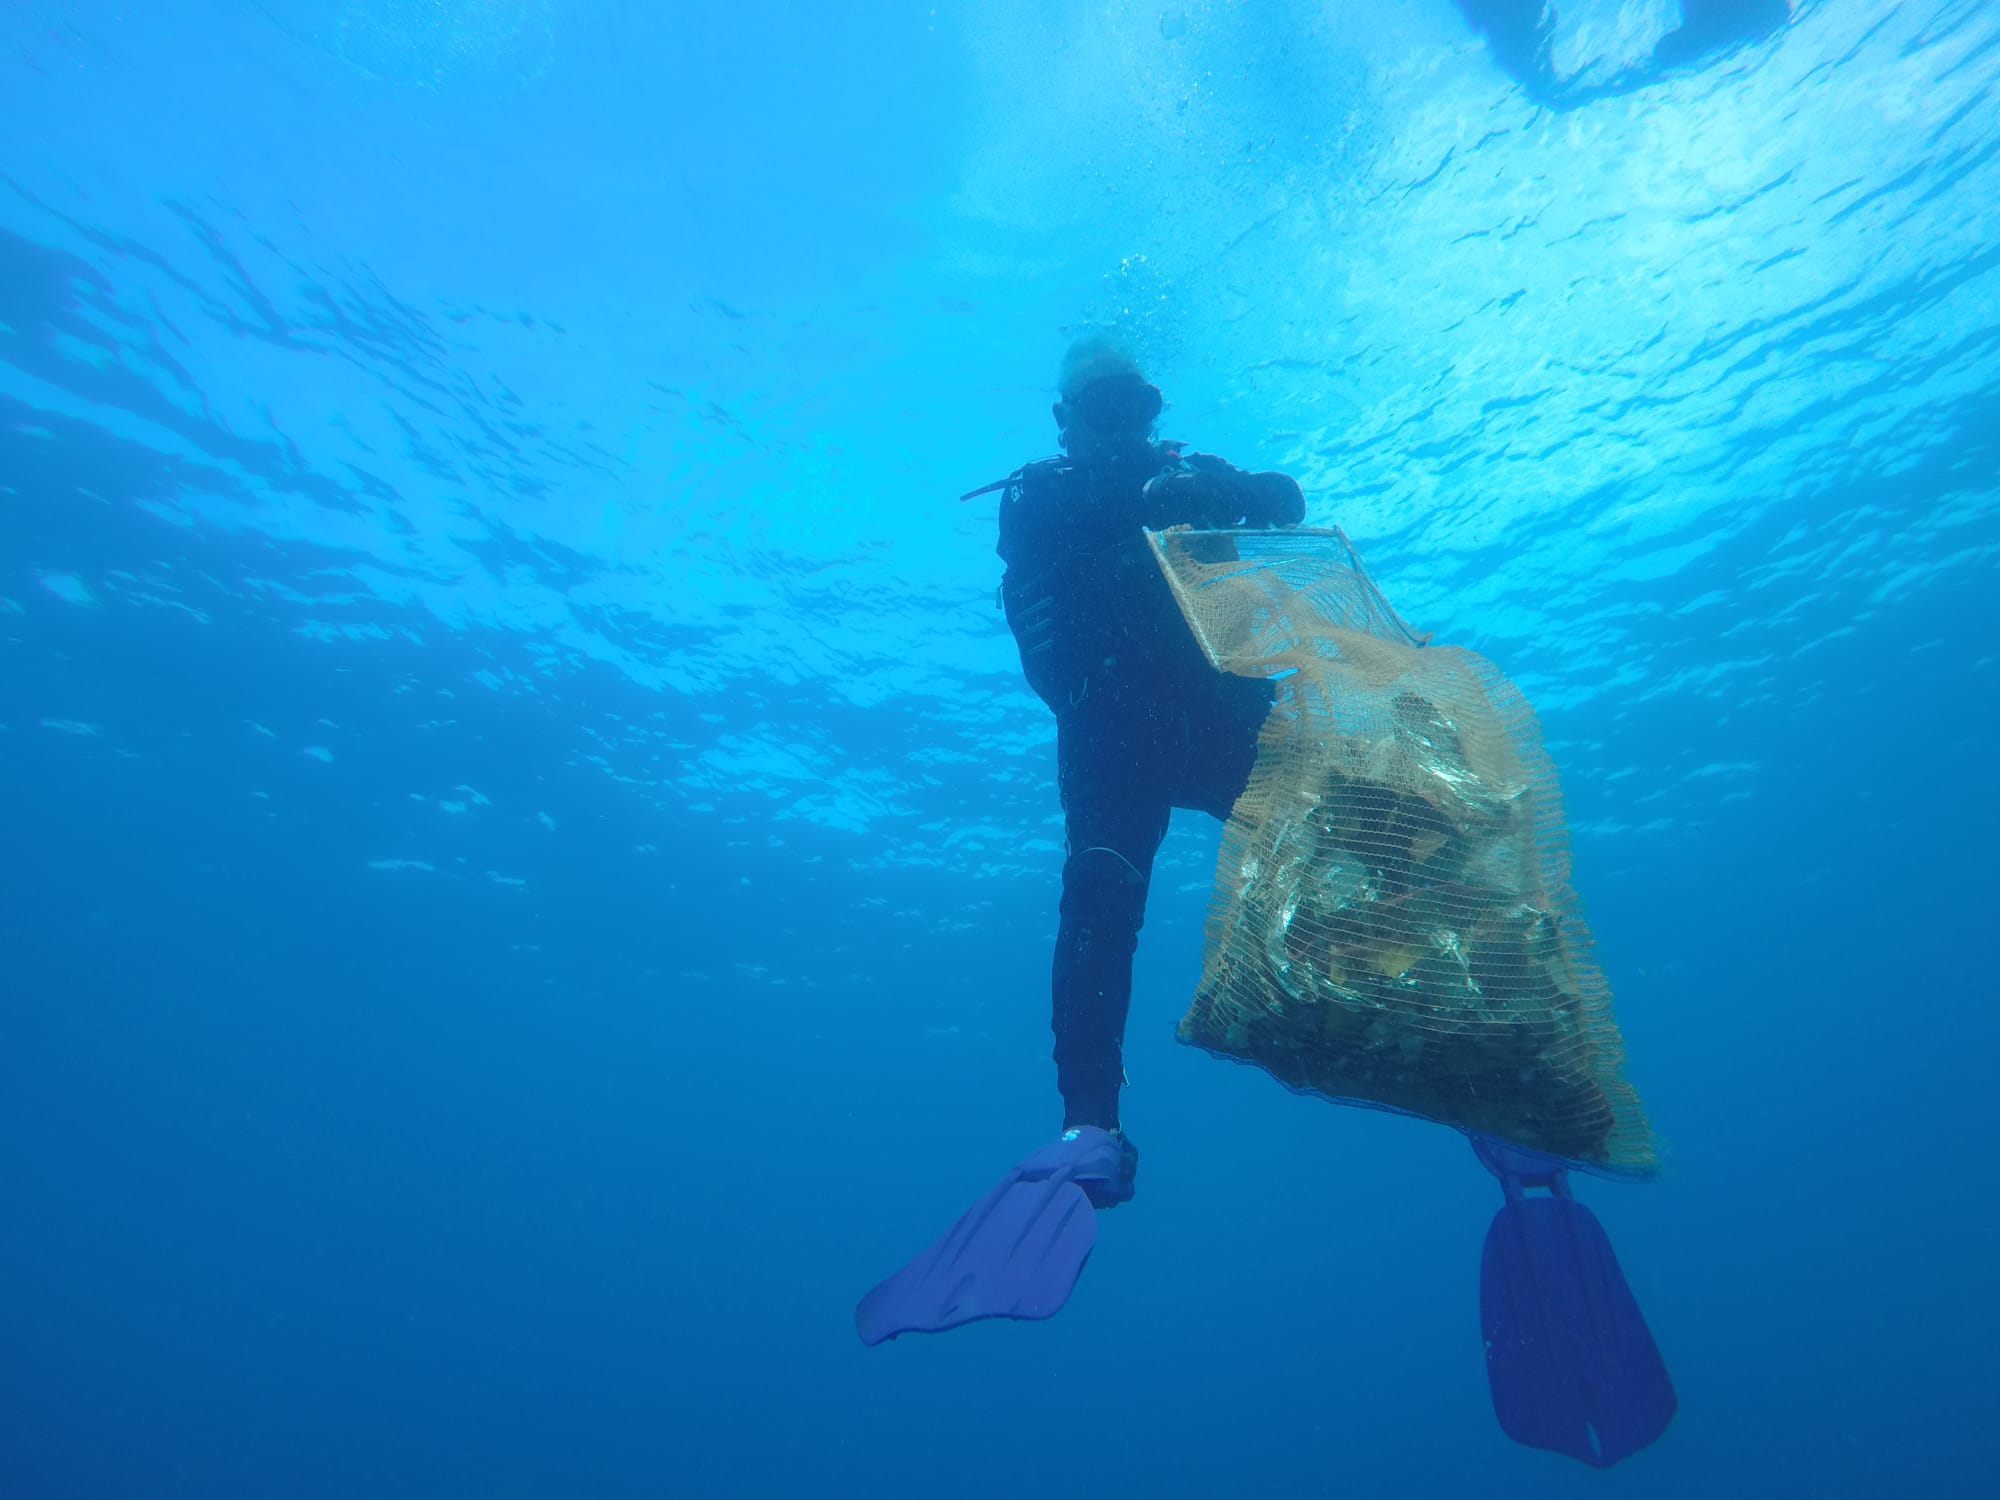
[[528, 862]]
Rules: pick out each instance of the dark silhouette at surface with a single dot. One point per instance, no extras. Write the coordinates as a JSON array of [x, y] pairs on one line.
[[1709, 27], [1520, 33], [1517, 33]]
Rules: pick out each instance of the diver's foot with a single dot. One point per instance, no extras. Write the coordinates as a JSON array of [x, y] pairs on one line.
[[1109, 1193]]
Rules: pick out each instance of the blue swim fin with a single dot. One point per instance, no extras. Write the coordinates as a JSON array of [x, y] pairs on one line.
[[1016, 1253], [1572, 1365]]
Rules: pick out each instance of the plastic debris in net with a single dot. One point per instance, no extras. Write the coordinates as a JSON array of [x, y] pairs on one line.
[[1392, 921]]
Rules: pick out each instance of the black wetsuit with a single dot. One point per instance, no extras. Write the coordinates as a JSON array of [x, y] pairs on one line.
[[1143, 723]]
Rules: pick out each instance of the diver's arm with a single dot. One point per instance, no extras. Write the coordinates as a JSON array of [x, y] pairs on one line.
[[1033, 589], [1218, 494]]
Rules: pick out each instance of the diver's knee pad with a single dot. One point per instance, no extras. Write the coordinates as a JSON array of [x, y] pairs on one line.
[[1103, 889]]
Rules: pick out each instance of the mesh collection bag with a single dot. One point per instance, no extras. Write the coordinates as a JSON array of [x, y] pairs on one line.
[[1392, 921]]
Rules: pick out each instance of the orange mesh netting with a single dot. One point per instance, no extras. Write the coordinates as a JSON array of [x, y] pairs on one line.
[[1392, 921]]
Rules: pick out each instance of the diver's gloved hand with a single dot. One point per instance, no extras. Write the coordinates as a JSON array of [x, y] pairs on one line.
[[1216, 494], [1272, 498], [1195, 498]]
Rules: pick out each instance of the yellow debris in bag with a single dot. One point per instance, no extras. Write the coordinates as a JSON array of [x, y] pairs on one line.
[[1392, 921]]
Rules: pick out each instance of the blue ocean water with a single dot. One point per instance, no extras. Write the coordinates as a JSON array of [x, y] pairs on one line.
[[529, 862]]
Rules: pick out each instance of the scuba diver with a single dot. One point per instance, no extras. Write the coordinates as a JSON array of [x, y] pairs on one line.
[[1145, 723]]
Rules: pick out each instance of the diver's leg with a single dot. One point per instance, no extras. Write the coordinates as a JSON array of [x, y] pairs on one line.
[[1115, 816], [1221, 744]]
